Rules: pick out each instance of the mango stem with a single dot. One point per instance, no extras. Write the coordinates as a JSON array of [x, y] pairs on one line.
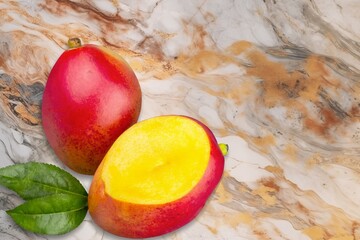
[[224, 148], [74, 42]]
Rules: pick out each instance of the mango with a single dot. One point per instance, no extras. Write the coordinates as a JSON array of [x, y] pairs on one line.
[[156, 177], [90, 98]]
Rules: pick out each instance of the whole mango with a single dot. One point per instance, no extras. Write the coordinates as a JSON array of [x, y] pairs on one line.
[[91, 97]]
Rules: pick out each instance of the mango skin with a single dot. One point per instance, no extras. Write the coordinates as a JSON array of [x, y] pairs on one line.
[[91, 96], [131, 220]]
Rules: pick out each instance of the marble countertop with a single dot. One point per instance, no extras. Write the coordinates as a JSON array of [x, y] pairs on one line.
[[279, 81]]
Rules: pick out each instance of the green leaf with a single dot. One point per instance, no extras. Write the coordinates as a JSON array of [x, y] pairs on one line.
[[51, 215], [33, 180]]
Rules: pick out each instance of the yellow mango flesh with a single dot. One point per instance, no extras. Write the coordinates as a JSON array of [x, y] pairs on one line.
[[156, 161]]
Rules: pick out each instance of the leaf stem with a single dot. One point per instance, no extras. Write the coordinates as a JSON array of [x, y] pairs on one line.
[[74, 42], [224, 148]]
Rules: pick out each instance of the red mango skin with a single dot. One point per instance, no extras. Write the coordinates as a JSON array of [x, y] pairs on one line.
[[131, 220], [91, 97]]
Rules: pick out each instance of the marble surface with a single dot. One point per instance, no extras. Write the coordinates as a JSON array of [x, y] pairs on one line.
[[279, 81]]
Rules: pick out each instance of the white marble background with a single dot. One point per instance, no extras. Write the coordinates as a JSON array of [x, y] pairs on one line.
[[276, 80]]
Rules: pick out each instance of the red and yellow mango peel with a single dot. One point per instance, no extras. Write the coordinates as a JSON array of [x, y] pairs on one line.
[[91, 97]]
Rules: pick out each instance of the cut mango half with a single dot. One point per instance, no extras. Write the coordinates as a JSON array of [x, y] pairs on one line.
[[156, 161]]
